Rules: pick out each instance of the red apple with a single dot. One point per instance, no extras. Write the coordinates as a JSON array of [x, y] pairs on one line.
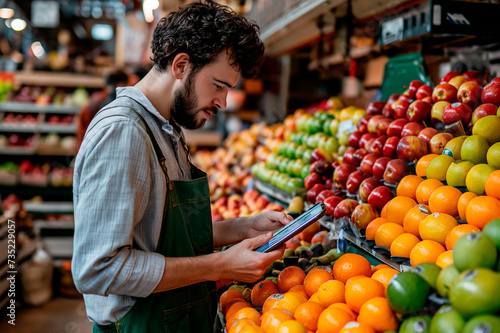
[[438, 142], [423, 91], [427, 99], [471, 74], [324, 168], [470, 93], [354, 180], [411, 129], [491, 93], [496, 80], [382, 126], [330, 204], [390, 145], [404, 97], [411, 148], [458, 80], [312, 167], [314, 191], [345, 208], [366, 187], [484, 110], [353, 140], [427, 133], [316, 155], [412, 89], [380, 196], [379, 167], [396, 169], [396, 127], [368, 144], [457, 112], [358, 156], [363, 214], [323, 195], [377, 146], [372, 123], [444, 92], [367, 163], [311, 180], [393, 97], [375, 108], [448, 76], [437, 111], [348, 154], [341, 174], [418, 111], [400, 106], [365, 138]]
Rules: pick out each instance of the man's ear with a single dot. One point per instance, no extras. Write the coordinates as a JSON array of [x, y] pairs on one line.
[[180, 65]]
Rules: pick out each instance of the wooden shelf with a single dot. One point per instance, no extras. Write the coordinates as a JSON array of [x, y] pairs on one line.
[[36, 108], [54, 79]]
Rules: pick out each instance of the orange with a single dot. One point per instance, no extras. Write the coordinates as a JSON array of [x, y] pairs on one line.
[[425, 251], [458, 232], [398, 207], [314, 298], [462, 203], [270, 302], [378, 315], [481, 210], [408, 185], [290, 301], [445, 259], [332, 320], [378, 267], [272, 319], [372, 227], [421, 167], [251, 329], [402, 245], [227, 296], [250, 313], [314, 279], [383, 212], [308, 313], [384, 275], [436, 226], [425, 189], [261, 291], [387, 233], [349, 265], [331, 292], [413, 217], [235, 308], [355, 327], [492, 185], [299, 289], [354, 278], [239, 325], [361, 290], [445, 200], [289, 277], [346, 308], [291, 326]]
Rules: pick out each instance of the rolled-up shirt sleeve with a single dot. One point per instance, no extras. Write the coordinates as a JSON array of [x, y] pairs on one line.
[[111, 190]]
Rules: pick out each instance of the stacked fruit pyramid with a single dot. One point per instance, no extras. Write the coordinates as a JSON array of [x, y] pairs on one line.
[[419, 177]]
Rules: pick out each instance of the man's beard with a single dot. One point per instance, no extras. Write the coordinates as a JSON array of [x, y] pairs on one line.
[[184, 107]]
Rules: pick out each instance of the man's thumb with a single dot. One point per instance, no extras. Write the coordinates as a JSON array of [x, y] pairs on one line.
[[262, 239]]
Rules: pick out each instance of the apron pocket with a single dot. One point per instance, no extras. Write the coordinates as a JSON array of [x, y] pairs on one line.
[[191, 317]]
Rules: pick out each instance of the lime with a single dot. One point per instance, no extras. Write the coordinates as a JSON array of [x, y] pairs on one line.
[[454, 146], [417, 324], [447, 320], [476, 177], [457, 172], [475, 292], [488, 128], [428, 271], [474, 149], [436, 169], [493, 156], [473, 250], [407, 292], [492, 230], [483, 324], [445, 279]]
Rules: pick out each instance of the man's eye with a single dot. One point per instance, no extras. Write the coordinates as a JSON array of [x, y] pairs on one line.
[[218, 87]]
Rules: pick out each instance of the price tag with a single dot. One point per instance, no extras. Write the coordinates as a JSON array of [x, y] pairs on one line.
[[392, 31], [346, 126]]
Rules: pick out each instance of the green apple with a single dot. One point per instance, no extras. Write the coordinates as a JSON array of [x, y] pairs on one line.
[[474, 149], [457, 171], [476, 178], [343, 137], [454, 146], [493, 156], [334, 126], [488, 127]]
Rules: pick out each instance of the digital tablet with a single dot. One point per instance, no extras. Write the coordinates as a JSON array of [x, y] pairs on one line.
[[293, 228]]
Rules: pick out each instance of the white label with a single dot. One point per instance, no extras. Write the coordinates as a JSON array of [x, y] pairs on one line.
[[346, 126], [392, 31], [436, 15], [45, 14]]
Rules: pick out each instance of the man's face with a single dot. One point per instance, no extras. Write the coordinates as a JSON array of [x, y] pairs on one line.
[[203, 93]]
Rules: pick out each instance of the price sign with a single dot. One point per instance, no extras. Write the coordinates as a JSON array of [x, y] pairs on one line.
[[392, 31], [45, 14]]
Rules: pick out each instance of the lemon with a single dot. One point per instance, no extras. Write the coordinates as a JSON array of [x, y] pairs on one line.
[[457, 172], [488, 127], [493, 156], [474, 149], [476, 177], [454, 146], [437, 168]]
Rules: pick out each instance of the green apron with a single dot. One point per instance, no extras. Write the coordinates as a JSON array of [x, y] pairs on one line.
[[186, 231]]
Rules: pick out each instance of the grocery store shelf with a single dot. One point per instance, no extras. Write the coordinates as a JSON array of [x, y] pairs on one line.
[[203, 138], [27, 191], [52, 207], [40, 78], [17, 150], [46, 128], [274, 192], [36, 108]]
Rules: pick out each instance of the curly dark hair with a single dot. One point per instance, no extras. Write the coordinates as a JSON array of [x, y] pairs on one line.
[[203, 30]]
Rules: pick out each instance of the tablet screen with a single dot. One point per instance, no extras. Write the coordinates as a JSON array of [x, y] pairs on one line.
[[293, 228]]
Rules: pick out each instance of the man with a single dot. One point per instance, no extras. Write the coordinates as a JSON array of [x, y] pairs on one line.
[[144, 239]]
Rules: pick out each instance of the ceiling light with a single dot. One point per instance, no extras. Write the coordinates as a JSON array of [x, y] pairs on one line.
[[38, 50], [6, 13], [18, 24]]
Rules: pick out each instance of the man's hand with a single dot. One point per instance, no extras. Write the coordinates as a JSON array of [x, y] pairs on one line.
[[266, 221]]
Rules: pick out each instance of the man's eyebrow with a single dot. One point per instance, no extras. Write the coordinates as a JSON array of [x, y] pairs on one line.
[[225, 83]]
